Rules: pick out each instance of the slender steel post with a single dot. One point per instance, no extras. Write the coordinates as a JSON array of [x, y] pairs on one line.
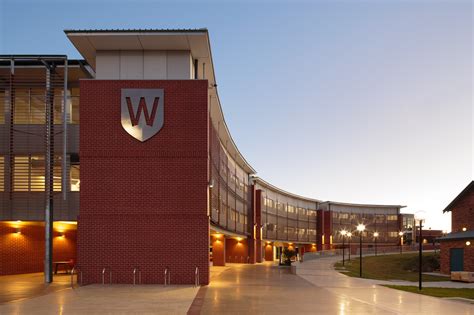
[[349, 249], [421, 256], [360, 254], [401, 247], [375, 246], [343, 250], [65, 121], [49, 165]]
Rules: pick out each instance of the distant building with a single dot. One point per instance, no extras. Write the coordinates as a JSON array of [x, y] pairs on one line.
[[408, 222], [457, 247]]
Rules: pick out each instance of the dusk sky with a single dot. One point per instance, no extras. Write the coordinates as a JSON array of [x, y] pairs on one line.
[[353, 101]]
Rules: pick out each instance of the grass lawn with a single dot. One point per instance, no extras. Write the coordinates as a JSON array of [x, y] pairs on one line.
[[387, 267], [438, 292]]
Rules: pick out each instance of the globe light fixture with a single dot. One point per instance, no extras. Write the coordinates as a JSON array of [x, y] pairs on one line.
[[376, 234], [361, 227]]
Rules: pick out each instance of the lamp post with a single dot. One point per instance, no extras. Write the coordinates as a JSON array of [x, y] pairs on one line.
[[401, 241], [343, 233], [376, 234], [349, 235], [420, 216], [360, 228]]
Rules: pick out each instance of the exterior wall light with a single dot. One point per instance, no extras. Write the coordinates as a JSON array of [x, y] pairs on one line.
[[464, 229], [468, 243]]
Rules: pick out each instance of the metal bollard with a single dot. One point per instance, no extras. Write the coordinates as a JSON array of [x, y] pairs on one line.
[[167, 276], [135, 270], [196, 277]]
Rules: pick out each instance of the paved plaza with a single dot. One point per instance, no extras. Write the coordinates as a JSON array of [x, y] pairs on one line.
[[234, 289]]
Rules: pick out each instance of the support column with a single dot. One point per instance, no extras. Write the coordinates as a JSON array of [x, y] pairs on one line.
[[218, 250], [49, 166]]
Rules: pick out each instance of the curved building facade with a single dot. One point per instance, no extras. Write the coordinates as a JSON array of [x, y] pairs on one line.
[[161, 184]]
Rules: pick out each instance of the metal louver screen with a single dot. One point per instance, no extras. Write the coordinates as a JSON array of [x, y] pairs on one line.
[[29, 172]]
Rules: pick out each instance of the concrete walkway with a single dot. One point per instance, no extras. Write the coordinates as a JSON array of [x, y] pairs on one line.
[[351, 290], [114, 299], [23, 286], [240, 289]]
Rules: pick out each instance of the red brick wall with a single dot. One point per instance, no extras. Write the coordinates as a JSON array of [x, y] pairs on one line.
[[445, 255], [236, 252], [309, 248], [218, 250], [24, 252], [144, 203], [463, 213], [268, 252]]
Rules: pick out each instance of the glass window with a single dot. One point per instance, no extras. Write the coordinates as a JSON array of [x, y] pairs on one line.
[[29, 173], [392, 217], [37, 106], [75, 175], [74, 103], [21, 173], [22, 106]]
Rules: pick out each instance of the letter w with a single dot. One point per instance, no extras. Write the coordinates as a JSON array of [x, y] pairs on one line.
[[142, 107]]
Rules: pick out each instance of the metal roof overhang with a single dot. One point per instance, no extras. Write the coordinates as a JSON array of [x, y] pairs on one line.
[[88, 42]]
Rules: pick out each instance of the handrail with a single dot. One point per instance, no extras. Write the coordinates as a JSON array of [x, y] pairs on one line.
[[196, 277], [77, 269], [167, 276], [103, 275], [139, 275]]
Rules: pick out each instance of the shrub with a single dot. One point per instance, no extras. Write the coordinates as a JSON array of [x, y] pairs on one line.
[[430, 263], [288, 254]]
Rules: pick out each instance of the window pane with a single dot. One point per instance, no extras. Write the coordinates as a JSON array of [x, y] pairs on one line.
[[75, 181], [21, 173], [22, 106], [37, 173], [37, 107]]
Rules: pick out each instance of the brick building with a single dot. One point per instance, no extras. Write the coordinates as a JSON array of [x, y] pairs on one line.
[[161, 183], [457, 248]]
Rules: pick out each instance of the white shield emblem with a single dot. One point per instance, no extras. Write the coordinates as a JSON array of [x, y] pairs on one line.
[[142, 112]]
